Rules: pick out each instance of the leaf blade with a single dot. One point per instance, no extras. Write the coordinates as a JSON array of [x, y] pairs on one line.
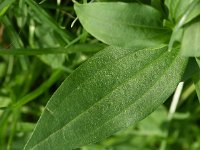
[[136, 25], [109, 92]]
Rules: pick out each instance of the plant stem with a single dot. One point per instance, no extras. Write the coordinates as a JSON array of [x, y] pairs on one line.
[[172, 110]]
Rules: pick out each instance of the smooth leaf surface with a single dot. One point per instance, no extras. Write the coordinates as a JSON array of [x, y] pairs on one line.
[[190, 43], [112, 90], [137, 25], [177, 8]]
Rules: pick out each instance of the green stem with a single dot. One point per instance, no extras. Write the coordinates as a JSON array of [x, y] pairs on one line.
[[3, 127], [60, 50], [13, 129]]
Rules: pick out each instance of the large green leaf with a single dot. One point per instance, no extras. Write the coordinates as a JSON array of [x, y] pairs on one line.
[[112, 90], [190, 44], [126, 25]]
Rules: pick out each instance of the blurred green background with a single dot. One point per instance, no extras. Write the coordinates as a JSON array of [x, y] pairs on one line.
[[39, 49]]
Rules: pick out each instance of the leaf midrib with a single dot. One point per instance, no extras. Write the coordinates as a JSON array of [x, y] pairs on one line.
[[106, 66]]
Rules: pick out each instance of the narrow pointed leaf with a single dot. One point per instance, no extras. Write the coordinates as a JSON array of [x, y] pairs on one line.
[[46, 18], [126, 25], [114, 89], [4, 5]]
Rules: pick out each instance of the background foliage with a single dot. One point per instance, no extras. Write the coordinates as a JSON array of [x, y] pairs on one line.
[[27, 80]]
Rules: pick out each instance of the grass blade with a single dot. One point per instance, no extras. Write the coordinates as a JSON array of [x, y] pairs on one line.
[[45, 17], [60, 50]]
